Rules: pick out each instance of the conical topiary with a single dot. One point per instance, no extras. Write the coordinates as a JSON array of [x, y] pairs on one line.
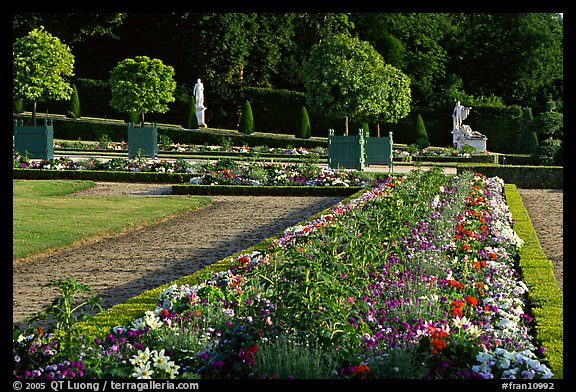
[[246, 119], [74, 110], [191, 120], [421, 135], [304, 129]]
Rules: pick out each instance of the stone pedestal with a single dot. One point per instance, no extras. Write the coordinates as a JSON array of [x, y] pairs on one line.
[[466, 136], [477, 143], [200, 109]]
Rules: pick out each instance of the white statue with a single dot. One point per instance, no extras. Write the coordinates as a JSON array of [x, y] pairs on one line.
[[459, 114], [199, 93]]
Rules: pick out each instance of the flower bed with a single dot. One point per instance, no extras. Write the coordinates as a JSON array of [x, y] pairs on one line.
[[415, 278], [221, 172]]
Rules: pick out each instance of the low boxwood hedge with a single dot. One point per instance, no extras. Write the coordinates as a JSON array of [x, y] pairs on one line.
[[544, 295], [248, 190]]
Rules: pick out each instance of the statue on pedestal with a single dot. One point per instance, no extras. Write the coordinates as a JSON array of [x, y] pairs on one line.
[[459, 114], [198, 92], [462, 133]]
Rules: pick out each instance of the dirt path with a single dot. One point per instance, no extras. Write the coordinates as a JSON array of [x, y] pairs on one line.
[[121, 267]]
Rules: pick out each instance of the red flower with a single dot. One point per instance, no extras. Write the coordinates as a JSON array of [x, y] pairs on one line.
[[361, 370], [243, 261]]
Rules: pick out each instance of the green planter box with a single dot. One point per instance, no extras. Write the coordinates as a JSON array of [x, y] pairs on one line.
[[346, 152], [379, 150], [142, 141], [36, 142]]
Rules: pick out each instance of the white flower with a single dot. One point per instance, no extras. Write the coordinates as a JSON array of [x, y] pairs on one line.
[[460, 322], [143, 371], [141, 358], [484, 356], [161, 361]]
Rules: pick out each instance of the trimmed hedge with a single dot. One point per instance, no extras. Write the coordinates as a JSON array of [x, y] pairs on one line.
[[544, 296], [248, 190], [540, 177], [99, 175], [85, 129]]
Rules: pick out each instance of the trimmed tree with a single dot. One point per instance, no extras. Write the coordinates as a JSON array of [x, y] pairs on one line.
[[347, 78], [304, 129], [142, 85], [246, 119], [421, 134], [191, 120], [74, 110], [41, 67]]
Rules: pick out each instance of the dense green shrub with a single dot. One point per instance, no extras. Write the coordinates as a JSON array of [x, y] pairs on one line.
[[549, 152], [275, 109], [544, 177], [304, 129], [421, 135], [74, 109], [246, 119], [549, 125], [527, 141], [544, 295]]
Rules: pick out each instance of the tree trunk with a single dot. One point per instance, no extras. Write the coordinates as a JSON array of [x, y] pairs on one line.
[[345, 125], [377, 129], [142, 119], [34, 112]]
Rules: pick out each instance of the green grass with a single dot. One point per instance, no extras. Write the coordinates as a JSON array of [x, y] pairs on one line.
[[45, 217]]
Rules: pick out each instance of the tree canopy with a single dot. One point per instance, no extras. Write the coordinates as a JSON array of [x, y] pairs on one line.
[[42, 66], [348, 78], [515, 57], [142, 85]]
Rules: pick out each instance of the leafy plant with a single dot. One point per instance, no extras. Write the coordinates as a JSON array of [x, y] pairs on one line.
[[64, 311], [40, 67], [142, 85]]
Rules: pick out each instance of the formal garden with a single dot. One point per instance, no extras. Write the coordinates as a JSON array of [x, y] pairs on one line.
[[367, 289], [412, 275]]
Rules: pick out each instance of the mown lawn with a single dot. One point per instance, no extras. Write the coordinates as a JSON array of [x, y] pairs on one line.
[[45, 216]]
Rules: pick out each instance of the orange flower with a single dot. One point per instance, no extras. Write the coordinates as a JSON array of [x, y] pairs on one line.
[[470, 300], [361, 370], [437, 345]]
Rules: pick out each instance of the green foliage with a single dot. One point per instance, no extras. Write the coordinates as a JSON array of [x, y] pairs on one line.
[[64, 311], [164, 140], [421, 135], [191, 121], [304, 129], [294, 357], [522, 176], [346, 77], [275, 109], [549, 124], [74, 111], [545, 297], [40, 67], [142, 85], [527, 141], [17, 106], [549, 152], [246, 119]]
